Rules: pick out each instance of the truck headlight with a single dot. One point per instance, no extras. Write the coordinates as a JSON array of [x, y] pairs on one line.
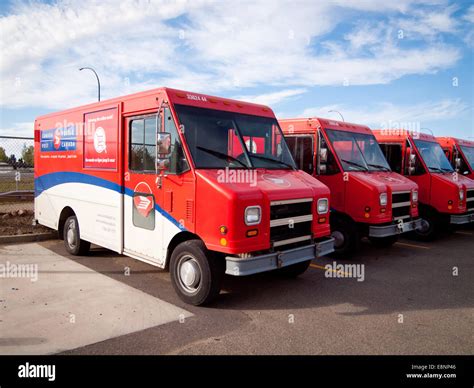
[[383, 199], [323, 205], [414, 196], [253, 215], [461, 195]]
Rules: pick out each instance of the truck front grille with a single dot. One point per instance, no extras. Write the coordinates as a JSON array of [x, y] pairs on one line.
[[470, 200], [291, 221], [401, 204]]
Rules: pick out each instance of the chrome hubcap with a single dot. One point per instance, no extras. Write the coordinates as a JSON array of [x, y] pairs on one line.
[[71, 236], [425, 226], [189, 273], [338, 237]]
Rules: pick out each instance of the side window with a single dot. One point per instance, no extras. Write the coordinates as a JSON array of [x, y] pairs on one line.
[[142, 150], [301, 147], [178, 163], [393, 154], [328, 167]]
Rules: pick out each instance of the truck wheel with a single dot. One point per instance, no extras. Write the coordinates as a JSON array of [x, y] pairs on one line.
[[345, 235], [430, 227], [72, 238], [294, 270], [196, 273], [384, 242]]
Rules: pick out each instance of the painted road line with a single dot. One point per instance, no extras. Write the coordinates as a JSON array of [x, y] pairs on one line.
[[412, 245], [464, 233], [68, 305], [333, 270]]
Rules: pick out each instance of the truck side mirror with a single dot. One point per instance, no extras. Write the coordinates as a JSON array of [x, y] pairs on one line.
[[163, 150], [163, 143], [457, 163], [411, 160], [323, 155]]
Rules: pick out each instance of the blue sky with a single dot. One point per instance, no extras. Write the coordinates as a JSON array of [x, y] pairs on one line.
[[380, 63]]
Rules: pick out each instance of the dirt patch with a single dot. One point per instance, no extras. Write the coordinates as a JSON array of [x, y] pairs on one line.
[[19, 222]]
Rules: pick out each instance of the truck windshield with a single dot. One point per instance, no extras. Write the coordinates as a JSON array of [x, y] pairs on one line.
[[433, 156], [469, 154], [219, 139], [357, 151]]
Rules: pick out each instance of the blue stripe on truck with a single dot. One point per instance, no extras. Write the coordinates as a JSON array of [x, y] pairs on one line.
[[45, 182]]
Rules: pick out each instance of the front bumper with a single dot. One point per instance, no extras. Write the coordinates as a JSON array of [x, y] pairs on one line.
[[459, 219], [394, 229], [267, 262]]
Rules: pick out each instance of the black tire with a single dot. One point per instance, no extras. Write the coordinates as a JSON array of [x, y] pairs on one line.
[[72, 238], [384, 242], [294, 270], [199, 281], [431, 227], [347, 230]]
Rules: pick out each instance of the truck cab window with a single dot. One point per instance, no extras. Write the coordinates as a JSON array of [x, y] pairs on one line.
[[178, 163], [393, 154], [329, 167], [301, 147], [142, 150]]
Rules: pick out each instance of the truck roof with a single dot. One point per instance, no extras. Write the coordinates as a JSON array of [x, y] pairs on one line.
[[398, 134], [448, 140], [302, 125], [176, 96]]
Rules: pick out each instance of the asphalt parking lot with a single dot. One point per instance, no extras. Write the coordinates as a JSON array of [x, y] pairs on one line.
[[415, 298]]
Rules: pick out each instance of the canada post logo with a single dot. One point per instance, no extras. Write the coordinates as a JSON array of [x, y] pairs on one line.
[[59, 139]]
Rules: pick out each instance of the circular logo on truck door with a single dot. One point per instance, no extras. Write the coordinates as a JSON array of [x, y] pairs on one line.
[[100, 141], [143, 199]]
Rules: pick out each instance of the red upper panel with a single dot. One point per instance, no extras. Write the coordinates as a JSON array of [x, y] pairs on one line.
[[315, 123]]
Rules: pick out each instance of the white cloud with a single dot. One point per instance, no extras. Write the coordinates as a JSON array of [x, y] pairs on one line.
[[272, 98], [469, 15], [205, 46], [387, 114], [22, 129]]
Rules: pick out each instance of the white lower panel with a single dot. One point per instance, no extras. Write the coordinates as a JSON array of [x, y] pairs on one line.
[[150, 245], [98, 210]]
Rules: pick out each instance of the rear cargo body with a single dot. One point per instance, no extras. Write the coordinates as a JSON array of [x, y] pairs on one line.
[[366, 196], [446, 197], [460, 154], [165, 171]]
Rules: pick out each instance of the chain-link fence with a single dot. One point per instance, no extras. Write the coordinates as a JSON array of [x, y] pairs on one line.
[[16, 176]]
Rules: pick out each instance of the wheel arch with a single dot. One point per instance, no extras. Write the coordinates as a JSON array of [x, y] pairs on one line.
[[175, 241], [65, 214]]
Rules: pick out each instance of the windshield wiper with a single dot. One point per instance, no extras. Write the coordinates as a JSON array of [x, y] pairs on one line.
[[355, 164], [271, 159], [384, 168], [435, 169], [221, 155]]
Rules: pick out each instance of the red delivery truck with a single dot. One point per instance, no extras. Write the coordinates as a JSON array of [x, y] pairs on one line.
[[444, 195], [367, 197], [198, 184], [460, 154]]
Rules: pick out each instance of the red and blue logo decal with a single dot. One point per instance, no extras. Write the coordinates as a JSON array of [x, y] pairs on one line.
[[59, 139]]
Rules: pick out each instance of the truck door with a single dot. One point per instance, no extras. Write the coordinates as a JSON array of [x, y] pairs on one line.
[[416, 171], [157, 204], [329, 173], [142, 196]]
